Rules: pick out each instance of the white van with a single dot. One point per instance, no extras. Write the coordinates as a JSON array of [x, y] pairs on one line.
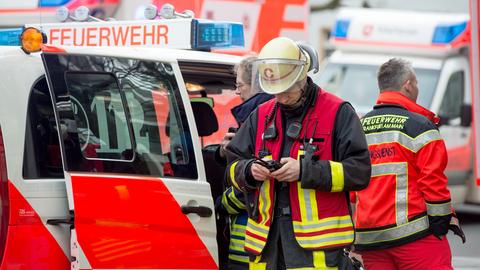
[[437, 45]]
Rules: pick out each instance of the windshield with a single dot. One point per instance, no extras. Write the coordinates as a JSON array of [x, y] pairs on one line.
[[358, 84]]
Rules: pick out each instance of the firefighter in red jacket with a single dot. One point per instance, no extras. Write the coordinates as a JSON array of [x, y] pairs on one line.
[[402, 218], [312, 152]]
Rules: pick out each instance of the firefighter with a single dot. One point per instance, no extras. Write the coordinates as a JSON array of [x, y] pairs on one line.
[[295, 158], [402, 218], [231, 202]]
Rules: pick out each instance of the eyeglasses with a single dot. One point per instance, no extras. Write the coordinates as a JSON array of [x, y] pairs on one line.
[[240, 85]]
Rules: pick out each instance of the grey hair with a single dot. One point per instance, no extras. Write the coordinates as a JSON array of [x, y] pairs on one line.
[[393, 74], [246, 65]]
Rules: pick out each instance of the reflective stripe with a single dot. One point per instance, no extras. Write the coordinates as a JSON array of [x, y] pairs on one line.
[[232, 175], [237, 245], [238, 258], [413, 144], [225, 203], [235, 200], [264, 202], [323, 224], [441, 209], [257, 229], [338, 181], [307, 202], [257, 266], [251, 243], [238, 230], [400, 171], [390, 234], [319, 262], [324, 240]]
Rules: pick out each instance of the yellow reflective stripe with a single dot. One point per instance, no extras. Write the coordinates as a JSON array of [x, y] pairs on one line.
[[238, 258], [232, 175], [313, 204], [237, 244], [253, 246], [319, 261], [238, 230], [264, 202], [235, 200], [322, 224], [329, 243], [324, 236], [257, 266], [230, 210], [301, 201], [338, 179]]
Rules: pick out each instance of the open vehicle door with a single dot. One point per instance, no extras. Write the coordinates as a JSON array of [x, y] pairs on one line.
[[134, 173]]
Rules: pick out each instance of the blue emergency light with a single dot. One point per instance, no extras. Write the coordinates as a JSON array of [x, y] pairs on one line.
[[206, 35], [52, 3], [10, 37], [445, 34], [340, 29]]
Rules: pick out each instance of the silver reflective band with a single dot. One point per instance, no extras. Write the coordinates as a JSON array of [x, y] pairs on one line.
[[372, 237], [439, 209], [400, 171], [413, 144], [325, 240], [321, 225]]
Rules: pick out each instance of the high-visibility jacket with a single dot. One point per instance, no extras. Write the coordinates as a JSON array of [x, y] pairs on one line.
[[232, 202], [408, 185], [320, 215]]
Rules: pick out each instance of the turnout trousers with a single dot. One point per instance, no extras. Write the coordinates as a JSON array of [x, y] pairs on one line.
[[426, 253]]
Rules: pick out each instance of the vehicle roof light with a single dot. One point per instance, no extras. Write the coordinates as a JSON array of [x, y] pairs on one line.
[[10, 37], [32, 40], [217, 35], [340, 29], [52, 3], [447, 33], [62, 14], [150, 12]]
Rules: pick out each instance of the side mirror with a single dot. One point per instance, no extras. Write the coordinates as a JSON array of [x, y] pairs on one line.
[[466, 115]]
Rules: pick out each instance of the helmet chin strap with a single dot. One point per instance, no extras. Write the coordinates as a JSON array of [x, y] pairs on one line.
[[298, 103]]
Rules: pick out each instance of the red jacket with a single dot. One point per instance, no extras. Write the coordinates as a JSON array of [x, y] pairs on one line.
[[408, 187]]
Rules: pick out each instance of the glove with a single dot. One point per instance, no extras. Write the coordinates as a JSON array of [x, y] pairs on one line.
[[439, 225], [454, 226]]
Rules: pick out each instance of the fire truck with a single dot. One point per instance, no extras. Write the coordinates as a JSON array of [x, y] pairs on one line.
[[101, 158], [438, 45]]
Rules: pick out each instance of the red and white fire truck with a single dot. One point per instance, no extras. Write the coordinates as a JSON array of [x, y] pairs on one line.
[[438, 46], [101, 159]]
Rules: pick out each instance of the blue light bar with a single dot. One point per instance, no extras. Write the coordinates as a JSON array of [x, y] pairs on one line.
[[206, 35], [340, 30], [445, 34], [52, 3], [10, 37]]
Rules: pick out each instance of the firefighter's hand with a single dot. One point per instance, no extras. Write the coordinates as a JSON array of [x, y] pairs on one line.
[[259, 172], [225, 141], [289, 172]]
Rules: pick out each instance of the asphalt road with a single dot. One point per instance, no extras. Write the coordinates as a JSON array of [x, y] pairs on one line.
[[467, 256]]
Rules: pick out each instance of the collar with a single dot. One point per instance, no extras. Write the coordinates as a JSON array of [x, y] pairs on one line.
[[397, 98], [243, 110]]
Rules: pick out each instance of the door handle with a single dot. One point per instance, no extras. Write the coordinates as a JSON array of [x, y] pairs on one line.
[[202, 211], [68, 221]]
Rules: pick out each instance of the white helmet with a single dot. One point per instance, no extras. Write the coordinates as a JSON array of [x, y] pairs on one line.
[[281, 63]]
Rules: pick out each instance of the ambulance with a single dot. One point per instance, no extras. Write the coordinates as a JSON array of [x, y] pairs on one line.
[[437, 44], [101, 159]]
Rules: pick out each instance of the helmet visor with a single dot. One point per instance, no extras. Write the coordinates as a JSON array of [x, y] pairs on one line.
[[277, 75]]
